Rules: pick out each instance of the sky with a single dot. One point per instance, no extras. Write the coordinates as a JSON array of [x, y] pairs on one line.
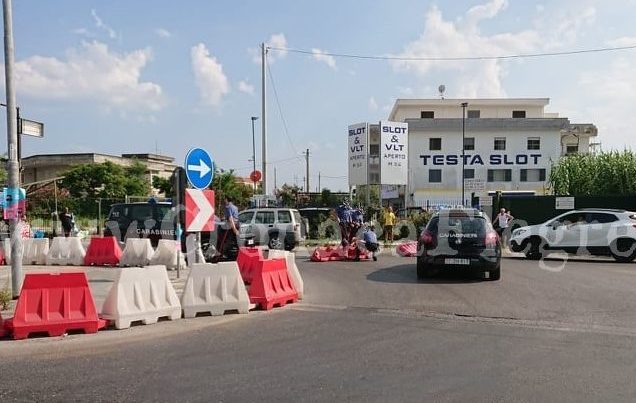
[[163, 76]]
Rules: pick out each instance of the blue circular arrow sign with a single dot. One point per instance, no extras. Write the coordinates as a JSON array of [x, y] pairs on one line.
[[199, 168]]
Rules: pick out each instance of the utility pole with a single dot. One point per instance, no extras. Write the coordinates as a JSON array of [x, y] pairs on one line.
[[13, 168], [264, 116], [319, 188], [464, 106], [254, 119], [307, 170]]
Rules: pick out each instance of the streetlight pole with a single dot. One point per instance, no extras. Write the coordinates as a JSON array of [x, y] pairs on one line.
[[12, 147], [254, 119], [264, 116], [464, 106]]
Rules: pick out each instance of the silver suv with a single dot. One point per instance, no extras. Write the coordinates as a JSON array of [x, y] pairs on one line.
[[277, 228]]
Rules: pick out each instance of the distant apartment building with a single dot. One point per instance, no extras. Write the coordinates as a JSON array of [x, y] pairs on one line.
[[509, 144], [46, 167]]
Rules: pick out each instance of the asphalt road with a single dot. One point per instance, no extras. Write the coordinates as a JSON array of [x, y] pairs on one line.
[[366, 332]]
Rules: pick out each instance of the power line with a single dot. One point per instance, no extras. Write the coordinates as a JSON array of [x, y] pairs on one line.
[[280, 112], [458, 58]]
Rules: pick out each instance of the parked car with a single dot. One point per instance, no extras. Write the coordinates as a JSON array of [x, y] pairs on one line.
[[606, 232], [459, 239], [277, 228], [154, 220]]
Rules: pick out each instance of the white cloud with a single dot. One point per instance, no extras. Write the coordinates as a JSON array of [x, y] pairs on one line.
[[246, 87], [208, 73], [99, 23], [91, 72], [612, 90], [373, 104], [163, 33], [83, 32], [623, 41], [322, 57], [277, 41], [464, 38]]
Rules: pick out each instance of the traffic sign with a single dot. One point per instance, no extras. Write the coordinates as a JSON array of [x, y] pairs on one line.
[[199, 205], [255, 176], [199, 168]]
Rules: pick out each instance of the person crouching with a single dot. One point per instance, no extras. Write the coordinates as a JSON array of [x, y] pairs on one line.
[[369, 242]]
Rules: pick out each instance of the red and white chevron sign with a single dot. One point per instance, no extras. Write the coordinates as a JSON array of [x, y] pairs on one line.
[[199, 205]]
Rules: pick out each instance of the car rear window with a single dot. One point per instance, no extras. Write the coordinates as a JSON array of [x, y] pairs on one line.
[[141, 212], [459, 223], [284, 217], [246, 217], [264, 217]]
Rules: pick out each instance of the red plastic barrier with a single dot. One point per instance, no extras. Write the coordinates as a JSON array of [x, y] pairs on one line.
[[54, 303], [247, 260], [2, 330], [3, 258], [103, 252], [331, 254], [407, 249], [271, 285]]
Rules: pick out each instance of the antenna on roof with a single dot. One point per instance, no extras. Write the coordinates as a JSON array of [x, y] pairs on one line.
[[441, 90]]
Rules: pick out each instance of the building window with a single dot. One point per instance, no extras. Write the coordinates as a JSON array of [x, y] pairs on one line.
[[474, 113], [427, 114], [572, 150], [532, 175], [518, 114], [435, 175], [499, 175], [435, 144], [469, 143], [534, 143], [500, 143], [469, 173]]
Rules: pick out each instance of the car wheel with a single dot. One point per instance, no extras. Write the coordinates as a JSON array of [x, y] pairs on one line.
[[534, 248], [423, 271], [289, 246], [623, 250], [495, 275], [274, 241]]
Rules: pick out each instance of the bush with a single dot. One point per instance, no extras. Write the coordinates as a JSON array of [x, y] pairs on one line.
[[5, 298]]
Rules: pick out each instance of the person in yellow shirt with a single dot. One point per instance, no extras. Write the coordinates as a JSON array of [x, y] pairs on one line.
[[389, 222]]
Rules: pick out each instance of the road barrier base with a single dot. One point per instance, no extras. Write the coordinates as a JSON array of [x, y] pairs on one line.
[[103, 252], [271, 285], [54, 304], [65, 252], [141, 294], [137, 252], [214, 289], [292, 268]]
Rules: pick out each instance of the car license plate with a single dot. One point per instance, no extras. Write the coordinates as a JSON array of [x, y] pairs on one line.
[[464, 262]]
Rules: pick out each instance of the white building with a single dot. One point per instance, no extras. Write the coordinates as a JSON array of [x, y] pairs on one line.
[[509, 145]]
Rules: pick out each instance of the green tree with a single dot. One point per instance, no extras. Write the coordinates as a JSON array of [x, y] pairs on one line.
[[226, 183], [88, 182], [288, 195], [163, 185], [601, 174]]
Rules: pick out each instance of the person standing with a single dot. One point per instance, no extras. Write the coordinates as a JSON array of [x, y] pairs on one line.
[[231, 216], [68, 222], [389, 222], [502, 221]]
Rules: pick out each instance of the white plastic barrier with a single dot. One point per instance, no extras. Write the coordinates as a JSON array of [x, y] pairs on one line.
[[66, 251], [166, 254], [292, 269], [34, 250], [141, 294], [137, 252], [194, 254], [214, 288]]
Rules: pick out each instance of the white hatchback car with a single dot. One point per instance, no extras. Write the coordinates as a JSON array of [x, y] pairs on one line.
[[586, 231]]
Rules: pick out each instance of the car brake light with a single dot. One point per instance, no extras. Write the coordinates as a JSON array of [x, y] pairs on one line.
[[491, 239], [427, 238]]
